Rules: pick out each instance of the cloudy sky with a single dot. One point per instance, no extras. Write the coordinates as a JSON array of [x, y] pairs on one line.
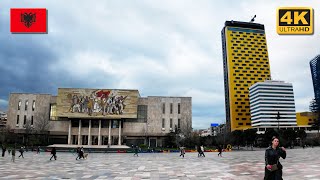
[[161, 48]]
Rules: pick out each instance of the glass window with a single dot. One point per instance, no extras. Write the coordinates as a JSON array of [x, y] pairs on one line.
[[115, 123], [163, 123], [31, 120], [179, 123], [19, 105], [26, 105], [163, 108], [17, 119], [53, 112], [170, 123], [33, 105], [24, 120], [171, 108], [178, 108], [142, 113]]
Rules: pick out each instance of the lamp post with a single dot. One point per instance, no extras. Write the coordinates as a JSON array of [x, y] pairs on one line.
[[278, 118]]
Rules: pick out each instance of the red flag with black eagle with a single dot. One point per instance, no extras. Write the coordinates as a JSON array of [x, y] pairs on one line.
[[28, 20]]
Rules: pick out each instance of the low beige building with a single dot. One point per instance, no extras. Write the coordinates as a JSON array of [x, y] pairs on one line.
[[100, 116]]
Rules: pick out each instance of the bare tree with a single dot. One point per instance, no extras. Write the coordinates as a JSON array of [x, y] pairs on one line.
[[42, 123], [42, 126]]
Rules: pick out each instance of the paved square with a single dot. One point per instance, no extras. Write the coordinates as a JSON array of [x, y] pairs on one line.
[[300, 164]]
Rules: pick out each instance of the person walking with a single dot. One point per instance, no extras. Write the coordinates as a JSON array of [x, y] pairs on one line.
[[78, 153], [53, 152], [220, 151], [21, 152], [38, 150], [13, 153], [199, 151], [202, 151], [4, 149], [273, 167], [182, 152], [136, 150]]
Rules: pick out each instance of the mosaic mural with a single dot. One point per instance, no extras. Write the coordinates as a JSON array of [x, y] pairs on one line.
[[97, 102]]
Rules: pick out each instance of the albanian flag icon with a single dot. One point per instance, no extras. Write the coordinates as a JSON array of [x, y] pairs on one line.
[[33, 20]]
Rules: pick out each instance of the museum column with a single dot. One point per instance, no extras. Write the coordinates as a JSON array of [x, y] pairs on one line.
[[89, 133], [99, 136], [69, 133], [109, 136], [119, 140], [79, 133]]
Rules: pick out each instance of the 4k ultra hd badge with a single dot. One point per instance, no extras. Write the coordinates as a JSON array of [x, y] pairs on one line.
[[295, 20]]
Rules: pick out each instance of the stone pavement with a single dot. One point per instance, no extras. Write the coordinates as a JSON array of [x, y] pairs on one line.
[[300, 164]]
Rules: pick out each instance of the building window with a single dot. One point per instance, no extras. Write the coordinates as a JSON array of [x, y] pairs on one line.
[[19, 105], [163, 108], [179, 123], [142, 113], [31, 120], [170, 123], [115, 124], [171, 108], [163, 123], [53, 112], [178, 108], [24, 120], [26, 105], [33, 105], [18, 119]]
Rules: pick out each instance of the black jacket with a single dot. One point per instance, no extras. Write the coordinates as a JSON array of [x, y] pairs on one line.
[[272, 156]]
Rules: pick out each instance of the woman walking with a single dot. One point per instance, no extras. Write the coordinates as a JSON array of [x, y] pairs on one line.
[[273, 168]]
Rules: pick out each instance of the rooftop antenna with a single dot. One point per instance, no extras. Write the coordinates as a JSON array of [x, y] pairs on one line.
[[253, 18]]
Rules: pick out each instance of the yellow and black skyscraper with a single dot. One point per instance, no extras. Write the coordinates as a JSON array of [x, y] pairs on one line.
[[245, 62]]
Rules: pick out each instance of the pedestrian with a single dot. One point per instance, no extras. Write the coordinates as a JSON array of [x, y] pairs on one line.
[[182, 152], [199, 151], [13, 153], [78, 153], [9, 151], [202, 151], [220, 151], [82, 153], [273, 168], [21, 152], [38, 150], [53, 152], [136, 150], [4, 149]]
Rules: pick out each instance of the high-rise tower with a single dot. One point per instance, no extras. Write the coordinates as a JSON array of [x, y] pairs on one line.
[[315, 73], [245, 62]]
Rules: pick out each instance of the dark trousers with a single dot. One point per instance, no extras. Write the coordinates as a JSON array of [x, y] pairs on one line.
[[21, 154], [182, 154], [53, 156], [220, 154]]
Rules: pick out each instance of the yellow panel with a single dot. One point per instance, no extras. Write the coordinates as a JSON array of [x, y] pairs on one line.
[[249, 52]]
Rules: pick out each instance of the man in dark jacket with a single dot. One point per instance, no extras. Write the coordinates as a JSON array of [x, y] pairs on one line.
[[53, 152]]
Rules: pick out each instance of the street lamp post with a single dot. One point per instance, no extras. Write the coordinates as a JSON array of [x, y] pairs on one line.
[[278, 118]]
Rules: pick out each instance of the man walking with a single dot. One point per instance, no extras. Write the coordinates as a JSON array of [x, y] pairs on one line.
[[53, 152], [4, 149], [220, 151], [13, 154], [21, 152], [136, 150], [182, 152], [202, 151]]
